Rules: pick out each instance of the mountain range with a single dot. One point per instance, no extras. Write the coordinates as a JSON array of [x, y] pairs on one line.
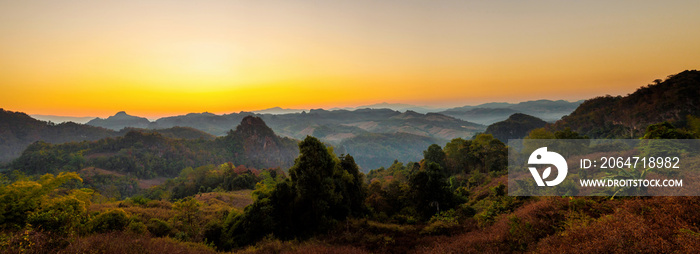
[[489, 113], [331, 126], [377, 136], [149, 154]]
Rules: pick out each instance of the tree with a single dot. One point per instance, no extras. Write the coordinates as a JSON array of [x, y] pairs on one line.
[[666, 130], [350, 183], [321, 190], [488, 153], [435, 154], [23, 197], [429, 190], [567, 133], [312, 180], [188, 215], [457, 155]]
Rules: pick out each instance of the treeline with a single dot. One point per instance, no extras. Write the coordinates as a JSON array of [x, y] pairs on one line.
[[210, 178]]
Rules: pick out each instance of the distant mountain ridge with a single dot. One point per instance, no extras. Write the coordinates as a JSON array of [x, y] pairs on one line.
[[120, 121], [489, 113], [329, 125], [278, 111], [63, 119]]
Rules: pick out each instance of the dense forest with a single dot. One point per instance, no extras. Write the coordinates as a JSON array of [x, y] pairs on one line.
[[251, 191]]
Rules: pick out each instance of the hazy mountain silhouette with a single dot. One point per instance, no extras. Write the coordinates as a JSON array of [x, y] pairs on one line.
[[517, 126], [489, 113], [119, 121], [278, 111], [62, 119]]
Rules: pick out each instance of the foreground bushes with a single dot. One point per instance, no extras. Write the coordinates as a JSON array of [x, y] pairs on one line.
[[113, 220], [586, 225]]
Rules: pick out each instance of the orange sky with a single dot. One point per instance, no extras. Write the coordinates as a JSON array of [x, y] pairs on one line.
[[158, 58]]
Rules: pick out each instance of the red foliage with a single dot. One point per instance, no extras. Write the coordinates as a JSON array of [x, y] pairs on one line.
[[511, 232], [646, 225]]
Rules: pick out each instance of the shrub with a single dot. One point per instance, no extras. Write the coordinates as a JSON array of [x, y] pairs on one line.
[[139, 200], [439, 227], [137, 227], [113, 220], [158, 227], [61, 217], [213, 232]]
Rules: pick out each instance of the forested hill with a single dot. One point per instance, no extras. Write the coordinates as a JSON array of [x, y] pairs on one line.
[[517, 126], [18, 130], [669, 100], [148, 154]]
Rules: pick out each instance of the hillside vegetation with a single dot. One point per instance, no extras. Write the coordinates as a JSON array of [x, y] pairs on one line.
[[517, 126], [628, 116], [148, 154]]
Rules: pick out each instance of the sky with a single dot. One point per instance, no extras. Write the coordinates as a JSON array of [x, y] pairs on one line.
[[158, 58]]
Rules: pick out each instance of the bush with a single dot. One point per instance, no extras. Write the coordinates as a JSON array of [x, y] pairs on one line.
[[137, 227], [113, 220], [158, 227], [139, 200], [61, 217], [439, 227], [213, 232]]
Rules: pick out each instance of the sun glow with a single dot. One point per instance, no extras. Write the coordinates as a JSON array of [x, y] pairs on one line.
[[163, 58]]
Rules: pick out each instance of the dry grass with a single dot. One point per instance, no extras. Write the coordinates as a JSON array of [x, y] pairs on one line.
[[237, 199], [311, 247], [148, 183], [90, 171], [130, 243]]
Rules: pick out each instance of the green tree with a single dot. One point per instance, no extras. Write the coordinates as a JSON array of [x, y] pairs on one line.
[[435, 154], [188, 215], [488, 154], [430, 191], [666, 130], [21, 198], [321, 190], [457, 155], [112, 220]]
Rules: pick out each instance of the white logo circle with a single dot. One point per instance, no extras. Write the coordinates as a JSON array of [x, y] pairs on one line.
[[542, 156]]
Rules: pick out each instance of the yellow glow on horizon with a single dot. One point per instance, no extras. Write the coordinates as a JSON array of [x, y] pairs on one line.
[[162, 58]]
